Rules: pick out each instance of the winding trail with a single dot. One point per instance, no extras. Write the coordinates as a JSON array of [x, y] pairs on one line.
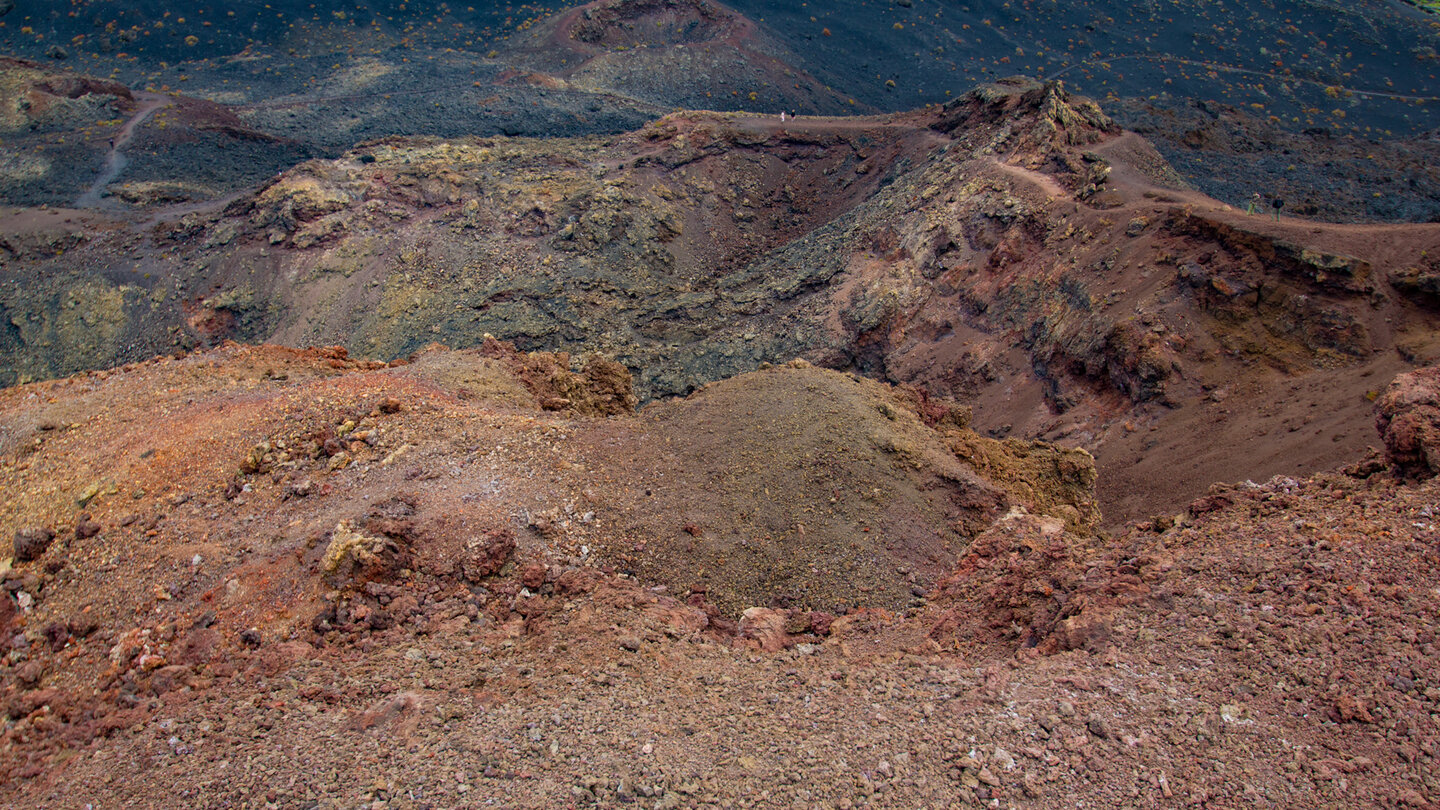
[[1046, 183], [115, 161]]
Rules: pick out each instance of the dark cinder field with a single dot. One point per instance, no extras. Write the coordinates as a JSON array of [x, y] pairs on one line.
[[1330, 105]]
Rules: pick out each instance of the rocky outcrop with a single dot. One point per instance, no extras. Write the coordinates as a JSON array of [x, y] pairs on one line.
[[1420, 281], [1043, 116], [600, 387], [1014, 585], [1327, 271]]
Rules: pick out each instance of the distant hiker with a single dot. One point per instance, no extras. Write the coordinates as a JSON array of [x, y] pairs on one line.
[[1278, 204], [1254, 204], [782, 116]]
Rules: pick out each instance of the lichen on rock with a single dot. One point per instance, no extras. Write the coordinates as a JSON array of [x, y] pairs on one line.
[[350, 551]]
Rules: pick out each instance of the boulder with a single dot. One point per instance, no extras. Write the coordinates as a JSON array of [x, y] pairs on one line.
[[766, 627], [1409, 423]]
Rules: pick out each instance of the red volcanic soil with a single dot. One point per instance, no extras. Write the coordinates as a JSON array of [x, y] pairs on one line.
[[384, 584]]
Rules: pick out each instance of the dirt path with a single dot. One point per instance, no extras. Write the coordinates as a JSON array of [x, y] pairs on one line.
[[766, 124], [1127, 151], [1044, 181], [115, 161], [174, 212]]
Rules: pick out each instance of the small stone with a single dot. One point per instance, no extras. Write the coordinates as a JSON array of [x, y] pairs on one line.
[[533, 576], [1412, 798], [31, 543], [30, 673], [1098, 727], [300, 489]]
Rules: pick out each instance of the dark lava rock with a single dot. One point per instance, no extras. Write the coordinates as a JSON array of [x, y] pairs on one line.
[[86, 528], [57, 634], [31, 543]]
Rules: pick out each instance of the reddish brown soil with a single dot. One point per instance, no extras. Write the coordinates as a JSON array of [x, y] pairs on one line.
[[185, 640]]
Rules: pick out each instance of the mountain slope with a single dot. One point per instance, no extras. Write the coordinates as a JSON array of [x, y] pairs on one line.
[[1013, 250]]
